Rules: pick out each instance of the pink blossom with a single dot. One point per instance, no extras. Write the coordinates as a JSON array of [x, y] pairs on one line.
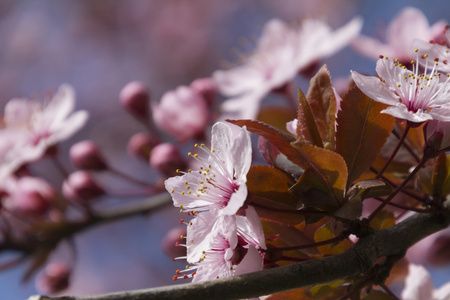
[[408, 25], [412, 96], [28, 195], [436, 53], [38, 126], [166, 158], [182, 113], [280, 54], [219, 184], [418, 285], [217, 249], [438, 132]]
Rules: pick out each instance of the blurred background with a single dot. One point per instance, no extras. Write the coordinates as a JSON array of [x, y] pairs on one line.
[[99, 46]]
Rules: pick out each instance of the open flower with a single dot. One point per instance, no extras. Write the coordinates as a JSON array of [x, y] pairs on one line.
[[37, 126], [436, 52], [220, 182], [414, 97], [408, 25], [281, 53], [223, 246], [418, 285]]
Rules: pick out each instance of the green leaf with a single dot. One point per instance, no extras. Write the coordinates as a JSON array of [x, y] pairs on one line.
[[361, 131], [322, 101], [269, 188]]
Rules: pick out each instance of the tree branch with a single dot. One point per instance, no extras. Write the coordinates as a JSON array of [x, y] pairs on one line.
[[359, 259]]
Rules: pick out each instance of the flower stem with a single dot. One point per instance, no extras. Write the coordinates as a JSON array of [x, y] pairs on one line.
[[399, 144], [336, 239], [398, 189]]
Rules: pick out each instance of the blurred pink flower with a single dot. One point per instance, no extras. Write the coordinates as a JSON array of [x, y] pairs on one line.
[[28, 195], [436, 53], [414, 97], [54, 278], [408, 25], [166, 158], [281, 52], [418, 286], [220, 182], [182, 113], [38, 126]]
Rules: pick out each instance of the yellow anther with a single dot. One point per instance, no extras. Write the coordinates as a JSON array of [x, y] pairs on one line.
[[415, 50], [189, 153], [413, 62], [181, 211], [399, 85], [182, 193], [213, 150], [189, 192], [202, 145], [196, 145], [172, 191], [425, 55], [178, 171], [196, 155]]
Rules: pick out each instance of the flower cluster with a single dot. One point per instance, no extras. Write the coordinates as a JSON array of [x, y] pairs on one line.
[[225, 238]]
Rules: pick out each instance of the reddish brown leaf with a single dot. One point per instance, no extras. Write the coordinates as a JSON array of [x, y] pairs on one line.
[[328, 169], [276, 116], [322, 101], [278, 138], [328, 231], [307, 131], [361, 132], [271, 197]]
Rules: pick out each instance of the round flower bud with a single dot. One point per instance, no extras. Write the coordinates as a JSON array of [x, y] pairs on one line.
[[31, 195], [80, 186], [85, 155], [182, 113], [171, 244], [54, 278], [166, 159], [141, 144], [206, 87], [134, 97]]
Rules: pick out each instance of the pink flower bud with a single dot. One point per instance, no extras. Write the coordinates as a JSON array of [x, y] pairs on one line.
[[80, 186], [182, 113], [54, 278], [437, 134], [134, 97], [32, 196], [166, 159], [85, 155], [206, 87], [141, 144], [171, 242]]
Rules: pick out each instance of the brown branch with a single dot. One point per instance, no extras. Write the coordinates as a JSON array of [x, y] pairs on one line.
[[355, 261]]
